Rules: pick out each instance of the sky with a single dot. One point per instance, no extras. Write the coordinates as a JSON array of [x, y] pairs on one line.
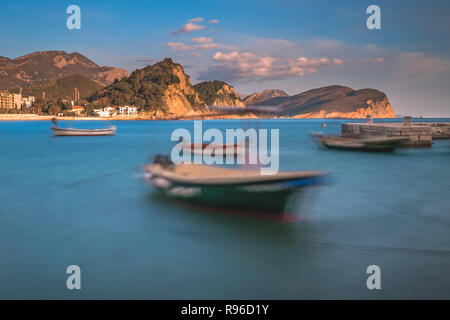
[[291, 45]]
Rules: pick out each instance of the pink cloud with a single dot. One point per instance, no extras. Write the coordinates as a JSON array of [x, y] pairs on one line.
[[178, 46], [198, 19], [203, 44], [202, 40], [214, 21], [246, 65], [187, 28], [207, 46], [418, 65]]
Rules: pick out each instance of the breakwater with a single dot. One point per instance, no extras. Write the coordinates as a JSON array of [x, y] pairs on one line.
[[420, 134]]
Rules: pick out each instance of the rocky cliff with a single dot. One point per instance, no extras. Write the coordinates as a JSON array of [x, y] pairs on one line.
[[259, 97], [43, 66], [160, 89], [165, 90], [218, 93], [333, 102]]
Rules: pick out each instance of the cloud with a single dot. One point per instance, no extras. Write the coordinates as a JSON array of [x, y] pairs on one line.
[[214, 21], [187, 28], [246, 65], [196, 54], [202, 40], [365, 60], [203, 43], [418, 65], [198, 19], [207, 46], [178, 46]]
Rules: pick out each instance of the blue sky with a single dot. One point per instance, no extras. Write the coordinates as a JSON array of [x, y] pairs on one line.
[[290, 45]]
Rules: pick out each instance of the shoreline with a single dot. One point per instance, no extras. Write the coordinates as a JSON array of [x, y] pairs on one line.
[[35, 117]]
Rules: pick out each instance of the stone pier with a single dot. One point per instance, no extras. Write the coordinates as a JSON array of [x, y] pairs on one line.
[[439, 130], [419, 134]]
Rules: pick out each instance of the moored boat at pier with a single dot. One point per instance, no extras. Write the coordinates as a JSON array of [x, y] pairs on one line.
[[371, 144]]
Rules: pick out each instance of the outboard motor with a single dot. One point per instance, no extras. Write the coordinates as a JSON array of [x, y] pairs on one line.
[[162, 159]]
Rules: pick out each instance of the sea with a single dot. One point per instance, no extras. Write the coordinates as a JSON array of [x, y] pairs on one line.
[[82, 201]]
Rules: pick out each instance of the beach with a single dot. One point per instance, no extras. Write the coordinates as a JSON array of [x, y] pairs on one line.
[[35, 117]]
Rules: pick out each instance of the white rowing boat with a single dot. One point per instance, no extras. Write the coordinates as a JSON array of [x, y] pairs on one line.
[[71, 132], [84, 132]]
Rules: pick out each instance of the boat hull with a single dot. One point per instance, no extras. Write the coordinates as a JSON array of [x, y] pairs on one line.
[[379, 144], [374, 148], [262, 197], [83, 132], [223, 149]]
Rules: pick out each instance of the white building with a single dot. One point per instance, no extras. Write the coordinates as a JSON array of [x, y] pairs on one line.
[[28, 101], [128, 110], [101, 113]]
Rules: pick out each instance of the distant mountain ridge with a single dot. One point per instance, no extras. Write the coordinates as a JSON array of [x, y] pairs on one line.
[[42, 66], [267, 94], [218, 93], [164, 90], [333, 102], [63, 88]]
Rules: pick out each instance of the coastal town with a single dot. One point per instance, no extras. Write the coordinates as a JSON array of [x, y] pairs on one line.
[[15, 103]]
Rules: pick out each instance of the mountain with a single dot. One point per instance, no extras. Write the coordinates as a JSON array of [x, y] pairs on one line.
[[63, 88], [164, 90], [43, 66], [333, 102], [163, 86], [267, 94], [218, 93]]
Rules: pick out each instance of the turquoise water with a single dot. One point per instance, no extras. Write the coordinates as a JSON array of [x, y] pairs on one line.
[[81, 200]]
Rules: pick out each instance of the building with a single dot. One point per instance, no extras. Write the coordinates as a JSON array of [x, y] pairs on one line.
[[109, 109], [10, 100], [101, 113], [127, 110], [77, 110], [28, 101], [17, 98]]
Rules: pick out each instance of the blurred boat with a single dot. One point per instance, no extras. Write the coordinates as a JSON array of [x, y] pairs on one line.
[[82, 132], [199, 148], [372, 144], [224, 188]]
